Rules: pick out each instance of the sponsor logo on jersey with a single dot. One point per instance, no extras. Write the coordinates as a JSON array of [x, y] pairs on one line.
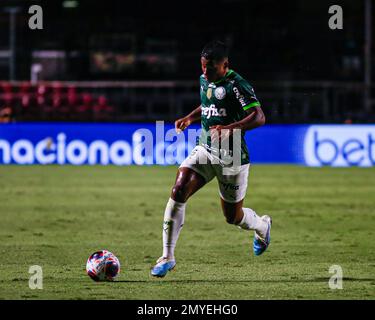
[[212, 111], [230, 186], [220, 93], [239, 97]]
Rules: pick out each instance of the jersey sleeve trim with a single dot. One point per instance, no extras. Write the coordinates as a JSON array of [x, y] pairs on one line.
[[253, 104]]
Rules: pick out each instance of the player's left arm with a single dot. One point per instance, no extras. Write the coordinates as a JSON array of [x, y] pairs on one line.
[[248, 101], [255, 118]]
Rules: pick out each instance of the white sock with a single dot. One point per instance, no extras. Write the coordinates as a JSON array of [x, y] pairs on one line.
[[174, 217], [251, 221]]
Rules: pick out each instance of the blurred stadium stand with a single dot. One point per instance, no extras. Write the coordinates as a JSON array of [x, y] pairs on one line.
[[137, 61], [118, 101]]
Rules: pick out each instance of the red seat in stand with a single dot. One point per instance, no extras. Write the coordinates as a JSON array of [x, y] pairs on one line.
[[86, 103], [102, 110], [84, 108], [6, 87]]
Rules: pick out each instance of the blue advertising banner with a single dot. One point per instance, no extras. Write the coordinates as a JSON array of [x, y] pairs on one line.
[[150, 143]]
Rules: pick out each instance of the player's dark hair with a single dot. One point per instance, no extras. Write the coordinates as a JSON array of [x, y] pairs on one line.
[[215, 50]]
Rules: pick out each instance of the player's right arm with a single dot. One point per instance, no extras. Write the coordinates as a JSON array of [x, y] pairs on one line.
[[183, 123]]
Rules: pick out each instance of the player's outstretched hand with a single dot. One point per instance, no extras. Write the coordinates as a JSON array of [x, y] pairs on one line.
[[182, 124]]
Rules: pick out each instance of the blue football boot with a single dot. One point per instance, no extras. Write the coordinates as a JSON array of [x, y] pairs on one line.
[[163, 265], [261, 244]]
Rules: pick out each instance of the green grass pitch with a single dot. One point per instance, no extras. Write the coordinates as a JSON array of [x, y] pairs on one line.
[[56, 217]]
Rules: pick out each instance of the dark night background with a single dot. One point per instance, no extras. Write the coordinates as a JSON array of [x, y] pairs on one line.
[[272, 43]]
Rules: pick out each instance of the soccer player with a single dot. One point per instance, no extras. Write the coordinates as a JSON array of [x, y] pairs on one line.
[[228, 102]]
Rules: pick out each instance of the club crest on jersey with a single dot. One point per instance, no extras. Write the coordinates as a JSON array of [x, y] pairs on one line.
[[209, 93], [220, 93]]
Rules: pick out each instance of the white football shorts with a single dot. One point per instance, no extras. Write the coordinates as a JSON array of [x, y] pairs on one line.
[[232, 180]]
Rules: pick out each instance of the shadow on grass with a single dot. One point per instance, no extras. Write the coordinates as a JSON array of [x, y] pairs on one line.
[[345, 279], [299, 280]]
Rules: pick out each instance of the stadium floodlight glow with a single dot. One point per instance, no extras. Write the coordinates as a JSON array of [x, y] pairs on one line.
[[70, 4]]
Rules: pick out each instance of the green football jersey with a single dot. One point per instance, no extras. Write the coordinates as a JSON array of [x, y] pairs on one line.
[[224, 102]]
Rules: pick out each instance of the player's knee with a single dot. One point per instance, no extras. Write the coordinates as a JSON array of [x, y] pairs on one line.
[[179, 193]]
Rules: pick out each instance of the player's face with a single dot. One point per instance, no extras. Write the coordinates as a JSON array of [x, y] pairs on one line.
[[214, 70]]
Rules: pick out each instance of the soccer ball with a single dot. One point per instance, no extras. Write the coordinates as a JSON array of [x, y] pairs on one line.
[[103, 266]]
